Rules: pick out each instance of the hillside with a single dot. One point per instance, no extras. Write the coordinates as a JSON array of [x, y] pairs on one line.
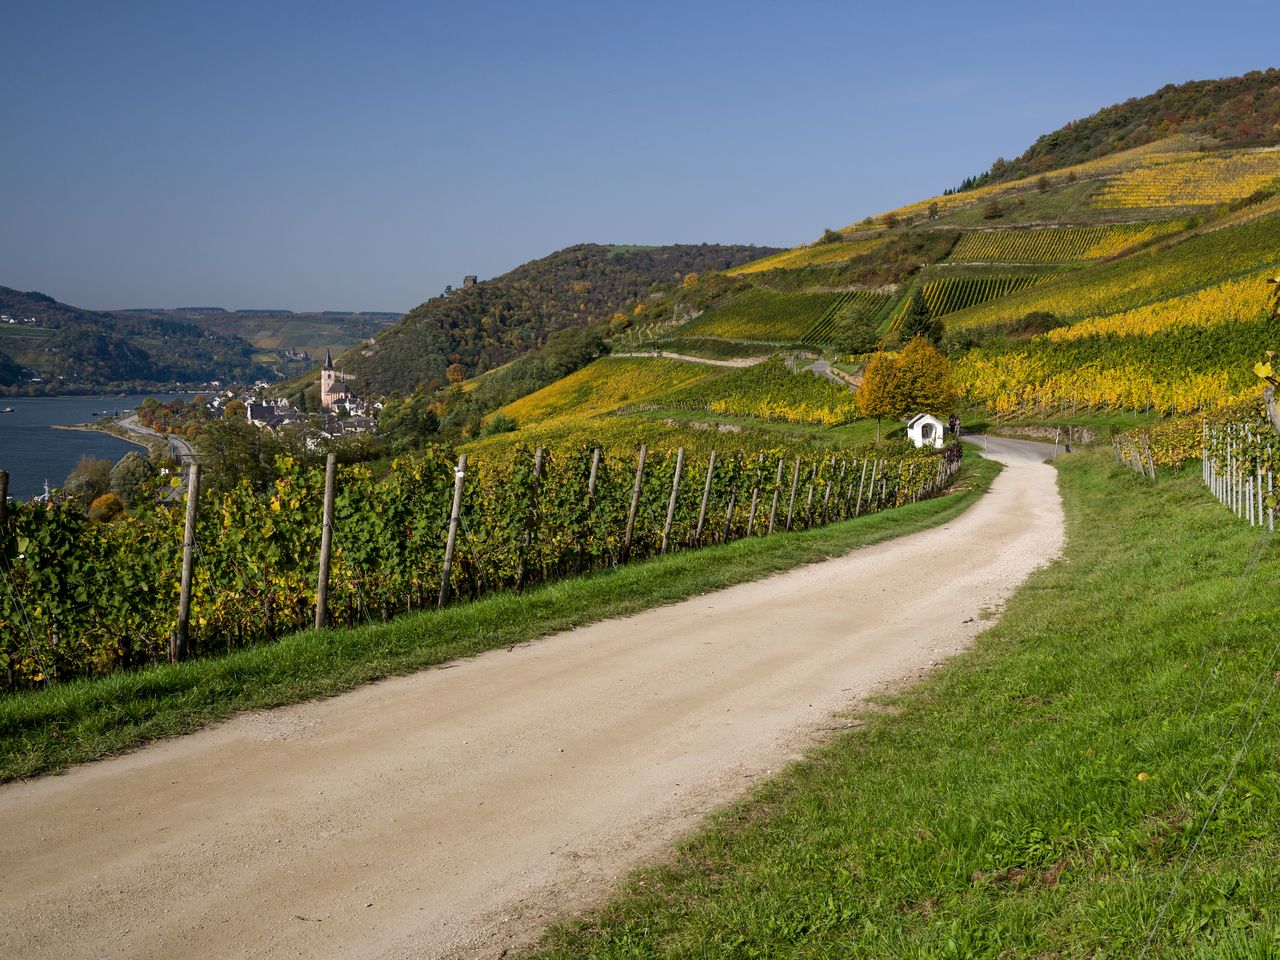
[[64, 349], [1236, 111], [281, 337], [485, 325]]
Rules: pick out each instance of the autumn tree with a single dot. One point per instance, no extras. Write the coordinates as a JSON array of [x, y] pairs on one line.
[[876, 394], [455, 373], [234, 410], [918, 380]]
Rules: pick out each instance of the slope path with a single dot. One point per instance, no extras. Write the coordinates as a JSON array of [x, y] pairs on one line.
[[454, 812]]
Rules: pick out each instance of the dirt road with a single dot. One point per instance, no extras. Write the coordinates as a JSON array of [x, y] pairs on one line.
[[453, 812]]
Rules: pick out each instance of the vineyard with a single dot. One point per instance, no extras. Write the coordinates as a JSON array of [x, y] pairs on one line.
[[826, 326], [956, 293], [1059, 244], [1187, 180], [86, 598], [1179, 370], [769, 391], [1230, 302], [1141, 279], [604, 386], [1109, 165], [763, 315], [817, 254]]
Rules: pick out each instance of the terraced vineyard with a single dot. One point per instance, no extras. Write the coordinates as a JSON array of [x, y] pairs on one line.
[[1143, 278], [1180, 370], [824, 329], [1109, 165], [956, 293], [604, 386], [814, 255], [1059, 244], [1184, 180], [769, 391], [763, 315]]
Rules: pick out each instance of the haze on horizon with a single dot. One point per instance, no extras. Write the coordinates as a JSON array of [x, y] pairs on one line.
[[362, 156]]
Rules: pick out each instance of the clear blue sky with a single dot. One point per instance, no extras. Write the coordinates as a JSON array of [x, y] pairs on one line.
[[317, 155]]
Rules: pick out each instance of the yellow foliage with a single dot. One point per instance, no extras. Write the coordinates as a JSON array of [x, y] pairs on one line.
[[1191, 179], [1228, 302]]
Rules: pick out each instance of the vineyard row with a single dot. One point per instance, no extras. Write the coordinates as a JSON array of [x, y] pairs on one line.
[[81, 597]]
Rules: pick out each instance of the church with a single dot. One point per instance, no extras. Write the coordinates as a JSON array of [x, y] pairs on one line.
[[333, 391]]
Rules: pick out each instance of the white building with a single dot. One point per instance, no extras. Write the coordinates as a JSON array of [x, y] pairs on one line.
[[925, 430]]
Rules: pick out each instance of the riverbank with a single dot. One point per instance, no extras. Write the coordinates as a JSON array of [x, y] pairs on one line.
[[114, 428]]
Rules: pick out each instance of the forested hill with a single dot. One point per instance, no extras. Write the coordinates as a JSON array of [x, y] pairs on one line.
[[494, 321], [1239, 111], [48, 346]]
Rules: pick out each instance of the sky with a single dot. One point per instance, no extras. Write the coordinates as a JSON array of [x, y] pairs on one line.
[[361, 156]]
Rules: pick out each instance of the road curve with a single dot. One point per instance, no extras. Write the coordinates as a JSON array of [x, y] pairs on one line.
[[453, 812]]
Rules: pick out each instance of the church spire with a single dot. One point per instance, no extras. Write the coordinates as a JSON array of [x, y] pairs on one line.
[[328, 360]]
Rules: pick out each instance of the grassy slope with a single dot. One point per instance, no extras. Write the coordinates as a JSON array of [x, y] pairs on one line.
[[50, 729], [998, 810]]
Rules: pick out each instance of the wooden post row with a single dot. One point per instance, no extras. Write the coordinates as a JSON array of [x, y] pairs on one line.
[[178, 649], [459, 478], [326, 539]]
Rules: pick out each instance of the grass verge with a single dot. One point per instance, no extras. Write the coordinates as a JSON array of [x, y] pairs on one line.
[[1035, 798], [50, 729]]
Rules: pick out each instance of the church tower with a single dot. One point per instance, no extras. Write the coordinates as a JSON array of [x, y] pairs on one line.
[[328, 377]]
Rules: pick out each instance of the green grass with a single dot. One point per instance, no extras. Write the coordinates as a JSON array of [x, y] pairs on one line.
[[997, 810], [47, 730]]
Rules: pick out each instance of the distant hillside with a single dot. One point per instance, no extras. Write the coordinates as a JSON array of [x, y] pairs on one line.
[[61, 348], [1236, 112], [483, 326], [282, 337]]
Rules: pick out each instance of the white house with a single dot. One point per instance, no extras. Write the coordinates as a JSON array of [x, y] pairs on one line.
[[925, 430]]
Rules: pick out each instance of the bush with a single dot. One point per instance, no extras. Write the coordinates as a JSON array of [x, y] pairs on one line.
[[105, 507]]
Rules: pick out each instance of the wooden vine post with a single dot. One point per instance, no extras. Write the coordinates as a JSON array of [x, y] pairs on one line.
[[755, 496], [671, 501], [591, 500], [791, 504], [706, 495], [326, 539], [635, 504], [531, 521], [459, 478], [178, 649], [857, 508], [777, 490], [4, 497]]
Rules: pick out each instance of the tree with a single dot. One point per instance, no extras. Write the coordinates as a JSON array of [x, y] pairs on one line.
[[918, 380], [128, 476], [919, 322], [876, 394], [455, 373], [88, 480], [831, 236], [857, 333], [234, 410], [923, 380], [105, 507], [933, 210], [992, 210]]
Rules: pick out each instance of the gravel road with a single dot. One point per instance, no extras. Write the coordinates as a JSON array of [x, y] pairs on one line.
[[454, 812]]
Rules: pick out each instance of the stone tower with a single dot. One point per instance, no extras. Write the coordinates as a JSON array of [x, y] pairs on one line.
[[328, 377]]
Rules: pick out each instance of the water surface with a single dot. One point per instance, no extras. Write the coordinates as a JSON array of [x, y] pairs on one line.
[[33, 451]]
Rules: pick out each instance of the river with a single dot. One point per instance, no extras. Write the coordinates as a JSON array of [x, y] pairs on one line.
[[32, 451]]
